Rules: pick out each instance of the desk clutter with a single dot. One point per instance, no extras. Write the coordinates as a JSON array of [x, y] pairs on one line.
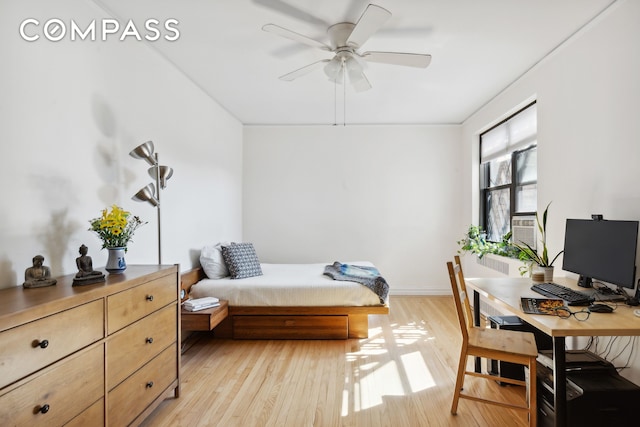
[[541, 305]]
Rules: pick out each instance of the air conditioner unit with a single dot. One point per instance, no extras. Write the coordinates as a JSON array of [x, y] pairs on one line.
[[523, 230]]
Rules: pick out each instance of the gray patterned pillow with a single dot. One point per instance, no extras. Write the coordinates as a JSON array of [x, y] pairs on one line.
[[241, 260]]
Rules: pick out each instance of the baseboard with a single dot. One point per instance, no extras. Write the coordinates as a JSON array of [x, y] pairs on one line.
[[420, 292]]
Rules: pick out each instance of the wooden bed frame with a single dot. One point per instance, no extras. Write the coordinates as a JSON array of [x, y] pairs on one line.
[[339, 322]]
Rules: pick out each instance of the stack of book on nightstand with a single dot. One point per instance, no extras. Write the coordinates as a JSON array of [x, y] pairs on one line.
[[200, 303]]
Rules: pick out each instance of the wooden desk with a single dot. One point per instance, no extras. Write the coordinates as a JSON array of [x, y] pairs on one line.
[[505, 293]]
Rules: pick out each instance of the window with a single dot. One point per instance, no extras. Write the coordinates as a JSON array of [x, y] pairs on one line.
[[508, 172]]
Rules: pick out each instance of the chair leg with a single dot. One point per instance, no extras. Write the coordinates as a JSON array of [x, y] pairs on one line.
[[532, 394], [462, 367]]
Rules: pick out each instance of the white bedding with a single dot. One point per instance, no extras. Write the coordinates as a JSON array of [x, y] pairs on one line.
[[288, 285]]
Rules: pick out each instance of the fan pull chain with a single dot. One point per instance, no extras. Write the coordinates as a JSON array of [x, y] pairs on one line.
[[344, 95], [335, 102]]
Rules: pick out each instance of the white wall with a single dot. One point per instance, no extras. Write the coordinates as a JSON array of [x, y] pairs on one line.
[[588, 129], [70, 112], [380, 193]]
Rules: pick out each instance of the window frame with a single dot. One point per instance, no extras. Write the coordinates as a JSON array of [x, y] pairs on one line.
[[513, 185]]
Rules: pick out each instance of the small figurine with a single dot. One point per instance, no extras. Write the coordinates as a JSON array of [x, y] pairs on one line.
[[39, 275], [86, 275]]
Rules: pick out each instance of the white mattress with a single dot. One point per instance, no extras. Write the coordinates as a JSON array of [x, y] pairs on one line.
[[288, 285]]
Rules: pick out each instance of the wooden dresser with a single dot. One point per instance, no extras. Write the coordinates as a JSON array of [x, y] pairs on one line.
[[97, 355]]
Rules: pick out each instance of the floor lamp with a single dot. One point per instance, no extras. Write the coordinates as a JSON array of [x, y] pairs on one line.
[[151, 192]]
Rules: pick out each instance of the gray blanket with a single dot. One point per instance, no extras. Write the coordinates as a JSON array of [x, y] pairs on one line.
[[367, 276]]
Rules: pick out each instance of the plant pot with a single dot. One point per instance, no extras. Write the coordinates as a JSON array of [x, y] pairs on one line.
[[548, 273], [115, 262]]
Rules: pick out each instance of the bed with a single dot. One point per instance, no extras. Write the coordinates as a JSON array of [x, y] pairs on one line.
[[290, 301]]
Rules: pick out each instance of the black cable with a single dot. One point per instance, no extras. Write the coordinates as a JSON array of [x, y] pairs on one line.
[[609, 347], [590, 342], [622, 350], [633, 347]]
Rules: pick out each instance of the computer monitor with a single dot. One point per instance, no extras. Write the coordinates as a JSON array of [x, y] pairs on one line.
[[601, 250]]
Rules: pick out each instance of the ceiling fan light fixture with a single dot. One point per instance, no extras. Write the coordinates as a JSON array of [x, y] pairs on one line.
[[339, 78], [333, 70], [354, 69]]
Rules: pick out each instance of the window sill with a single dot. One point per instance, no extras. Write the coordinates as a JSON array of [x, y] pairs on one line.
[[491, 265]]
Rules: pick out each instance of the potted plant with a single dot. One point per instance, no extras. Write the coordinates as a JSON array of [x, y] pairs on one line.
[[115, 228], [530, 256], [475, 241]]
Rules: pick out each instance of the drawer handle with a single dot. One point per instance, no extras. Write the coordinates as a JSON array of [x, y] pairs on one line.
[[41, 344], [149, 340], [149, 297], [150, 384], [44, 408]]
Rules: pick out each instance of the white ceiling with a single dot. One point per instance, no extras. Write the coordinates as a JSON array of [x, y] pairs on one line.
[[478, 48]]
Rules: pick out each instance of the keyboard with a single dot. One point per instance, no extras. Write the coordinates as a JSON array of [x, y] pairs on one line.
[[571, 296]]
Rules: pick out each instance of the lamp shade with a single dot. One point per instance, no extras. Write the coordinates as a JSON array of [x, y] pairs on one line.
[[144, 151], [147, 194], [165, 173]]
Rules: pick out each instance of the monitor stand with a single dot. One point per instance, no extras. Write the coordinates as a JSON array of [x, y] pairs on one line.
[[585, 282]]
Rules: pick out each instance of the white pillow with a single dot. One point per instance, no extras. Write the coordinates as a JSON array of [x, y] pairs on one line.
[[212, 262]]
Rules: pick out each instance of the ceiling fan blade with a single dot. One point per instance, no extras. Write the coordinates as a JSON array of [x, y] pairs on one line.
[[399, 58], [292, 35], [304, 70], [361, 83], [294, 12], [371, 20]]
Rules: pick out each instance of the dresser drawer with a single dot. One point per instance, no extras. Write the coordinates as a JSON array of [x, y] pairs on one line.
[[132, 347], [128, 306], [132, 396], [93, 416], [58, 395], [32, 346], [291, 327]]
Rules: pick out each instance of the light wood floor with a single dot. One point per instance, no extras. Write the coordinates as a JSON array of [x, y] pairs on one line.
[[402, 375]]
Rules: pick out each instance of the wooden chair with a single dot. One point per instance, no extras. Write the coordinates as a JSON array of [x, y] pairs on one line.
[[496, 344]]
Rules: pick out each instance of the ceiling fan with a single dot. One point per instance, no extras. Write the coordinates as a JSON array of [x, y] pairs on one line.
[[345, 39]]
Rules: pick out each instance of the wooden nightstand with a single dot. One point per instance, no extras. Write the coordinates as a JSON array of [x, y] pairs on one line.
[[204, 320]]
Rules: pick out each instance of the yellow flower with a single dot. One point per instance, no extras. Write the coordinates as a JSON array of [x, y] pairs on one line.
[[115, 227]]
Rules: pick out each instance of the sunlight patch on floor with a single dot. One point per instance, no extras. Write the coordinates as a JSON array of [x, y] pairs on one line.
[[345, 403], [379, 374], [419, 376]]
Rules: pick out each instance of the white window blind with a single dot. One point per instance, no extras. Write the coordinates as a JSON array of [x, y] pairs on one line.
[[514, 134]]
